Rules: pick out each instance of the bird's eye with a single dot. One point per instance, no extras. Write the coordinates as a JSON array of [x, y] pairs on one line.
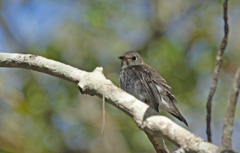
[[134, 58]]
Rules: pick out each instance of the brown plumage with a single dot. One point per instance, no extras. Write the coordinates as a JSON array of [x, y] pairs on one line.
[[143, 82]]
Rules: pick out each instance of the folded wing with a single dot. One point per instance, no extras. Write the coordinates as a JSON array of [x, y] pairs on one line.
[[158, 90]]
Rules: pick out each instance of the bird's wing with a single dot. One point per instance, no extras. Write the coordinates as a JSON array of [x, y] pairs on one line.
[[158, 90], [152, 91], [163, 87]]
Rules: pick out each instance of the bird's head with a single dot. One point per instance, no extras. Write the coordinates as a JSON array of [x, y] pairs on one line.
[[130, 58]]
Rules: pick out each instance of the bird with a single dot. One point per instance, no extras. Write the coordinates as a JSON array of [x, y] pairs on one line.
[[146, 84]]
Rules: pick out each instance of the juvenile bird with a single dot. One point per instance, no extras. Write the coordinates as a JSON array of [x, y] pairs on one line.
[[144, 83]]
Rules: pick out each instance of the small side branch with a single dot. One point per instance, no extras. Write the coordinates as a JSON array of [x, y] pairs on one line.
[[217, 69], [103, 109], [229, 117], [180, 150], [158, 144]]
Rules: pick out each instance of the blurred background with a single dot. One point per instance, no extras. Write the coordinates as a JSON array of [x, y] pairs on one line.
[[40, 113]]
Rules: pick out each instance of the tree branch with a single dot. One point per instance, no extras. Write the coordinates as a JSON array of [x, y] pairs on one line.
[[217, 70], [180, 150], [41, 64], [158, 144], [229, 117], [95, 83]]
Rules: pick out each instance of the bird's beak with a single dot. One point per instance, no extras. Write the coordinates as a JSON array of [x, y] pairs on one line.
[[124, 58], [121, 57]]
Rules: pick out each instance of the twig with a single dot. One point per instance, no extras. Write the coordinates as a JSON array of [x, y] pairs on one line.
[[229, 117], [217, 70], [103, 109]]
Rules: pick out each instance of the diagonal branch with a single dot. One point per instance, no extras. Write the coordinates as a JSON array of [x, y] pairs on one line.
[[229, 117], [217, 70], [95, 83]]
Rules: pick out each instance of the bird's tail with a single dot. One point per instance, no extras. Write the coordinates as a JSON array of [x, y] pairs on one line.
[[175, 112], [180, 117]]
